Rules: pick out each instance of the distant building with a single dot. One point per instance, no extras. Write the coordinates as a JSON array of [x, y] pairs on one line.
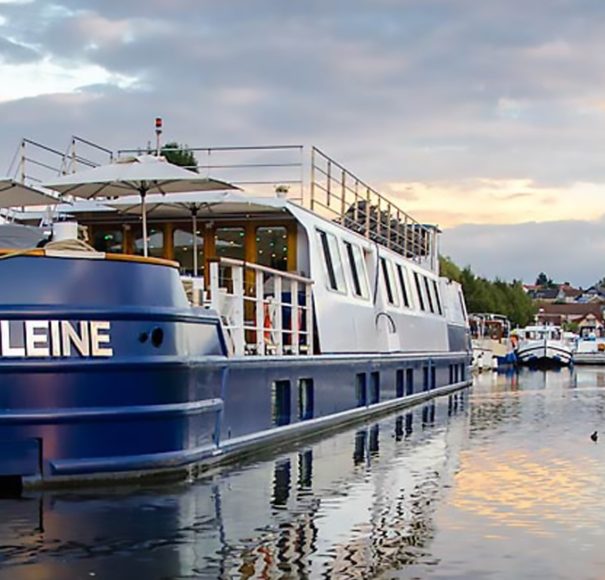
[[587, 316]]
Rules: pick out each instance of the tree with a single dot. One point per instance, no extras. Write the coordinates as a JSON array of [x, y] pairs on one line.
[[498, 297], [180, 155], [544, 281]]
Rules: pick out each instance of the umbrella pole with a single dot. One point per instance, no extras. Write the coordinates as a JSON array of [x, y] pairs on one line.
[[194, 219], [144, 212]]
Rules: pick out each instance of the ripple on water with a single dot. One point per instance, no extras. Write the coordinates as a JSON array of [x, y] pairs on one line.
[[502, 482]]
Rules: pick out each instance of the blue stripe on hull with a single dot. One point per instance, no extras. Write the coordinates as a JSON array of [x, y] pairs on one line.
[[109, 422]]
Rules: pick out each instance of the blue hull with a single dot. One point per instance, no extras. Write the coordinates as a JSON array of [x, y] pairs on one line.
[[168, 396]]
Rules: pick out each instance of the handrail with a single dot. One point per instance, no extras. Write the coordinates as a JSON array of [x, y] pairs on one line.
[[261, 268], [260, 320]]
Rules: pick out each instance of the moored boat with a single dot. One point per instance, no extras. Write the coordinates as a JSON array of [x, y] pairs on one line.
[[117, 364], [543, 345]]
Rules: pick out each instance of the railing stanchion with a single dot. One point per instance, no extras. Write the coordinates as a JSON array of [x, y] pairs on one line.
[[279, 329], [260, 313], [294, 326], [237, 275]]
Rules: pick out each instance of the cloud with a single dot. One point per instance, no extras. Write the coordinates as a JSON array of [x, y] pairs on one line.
[[463, 111], [565, 249]]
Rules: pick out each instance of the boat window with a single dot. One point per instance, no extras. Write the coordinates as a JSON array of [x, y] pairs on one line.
[[272, 247], [428, 294], [329, 246], [155, 242], [419, 291], [387, 275], [230, 243], [357, 268], [108, 240], [402, 282], [182, 238], [437, 298], [462, 307]]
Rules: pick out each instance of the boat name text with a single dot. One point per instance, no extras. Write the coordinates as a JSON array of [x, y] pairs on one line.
[[55, 338]]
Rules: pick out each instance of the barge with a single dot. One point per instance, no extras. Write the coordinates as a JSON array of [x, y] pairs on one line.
[[126, 357]]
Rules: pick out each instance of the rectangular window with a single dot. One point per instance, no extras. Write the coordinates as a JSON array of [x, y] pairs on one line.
[[387, 275], [437, 298], [361, 389], [374, 387], [272, 247], [419, 291], [425, 378], [433, 377], [332, 261], [409, 381], [428, 294], [399, 386], [403, 284], [357, 268], [305, 399], [462, 307], [281, 402]]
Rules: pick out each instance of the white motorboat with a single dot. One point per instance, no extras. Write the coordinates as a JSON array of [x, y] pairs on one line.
[[543, 345]]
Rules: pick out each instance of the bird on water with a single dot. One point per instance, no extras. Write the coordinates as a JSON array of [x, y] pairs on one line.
[[595, 436]]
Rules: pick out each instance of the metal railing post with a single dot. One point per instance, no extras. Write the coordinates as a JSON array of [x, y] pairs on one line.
[[279, 325], [260, 313], [309, 318], [237, 276], [294, 326]]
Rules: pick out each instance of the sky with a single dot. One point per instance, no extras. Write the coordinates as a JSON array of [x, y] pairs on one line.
[[484, 117]]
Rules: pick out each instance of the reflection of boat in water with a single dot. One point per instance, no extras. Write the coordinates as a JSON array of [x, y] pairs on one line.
[[357, 501], [543, 345], [298, 320]]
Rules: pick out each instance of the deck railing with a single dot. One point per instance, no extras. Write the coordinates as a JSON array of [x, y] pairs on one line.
[[316, 182], [354, 204], [264, 311]]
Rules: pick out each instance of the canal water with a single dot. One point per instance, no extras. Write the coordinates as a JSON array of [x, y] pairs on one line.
[[500, 481]]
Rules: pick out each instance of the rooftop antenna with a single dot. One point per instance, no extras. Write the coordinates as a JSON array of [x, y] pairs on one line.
[[158, 132]]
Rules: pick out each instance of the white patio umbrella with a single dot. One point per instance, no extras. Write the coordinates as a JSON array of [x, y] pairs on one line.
[[144, 175], [174, 206], [16, 194]]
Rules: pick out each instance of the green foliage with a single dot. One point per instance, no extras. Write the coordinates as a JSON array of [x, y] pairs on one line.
[[179, 155], [544, 281], [498, 297]]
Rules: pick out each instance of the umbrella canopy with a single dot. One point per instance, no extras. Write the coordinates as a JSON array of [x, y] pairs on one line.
[[15, 194], [144, 175]]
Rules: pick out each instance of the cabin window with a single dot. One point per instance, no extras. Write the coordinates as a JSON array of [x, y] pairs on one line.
[[329, 246], [281, 402], [428, 294], [305, 399], [361, 389], [437, 297], [387, 275], [374, 387], [399, 384], [409, 381], [182, 238], [357, 268], [462, 307], [155, 242], [108, 240], [230, 243], [403, 284], [419, 291], [272, 247]]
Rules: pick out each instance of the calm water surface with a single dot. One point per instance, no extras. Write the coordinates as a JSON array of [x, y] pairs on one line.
[[501, 481]]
